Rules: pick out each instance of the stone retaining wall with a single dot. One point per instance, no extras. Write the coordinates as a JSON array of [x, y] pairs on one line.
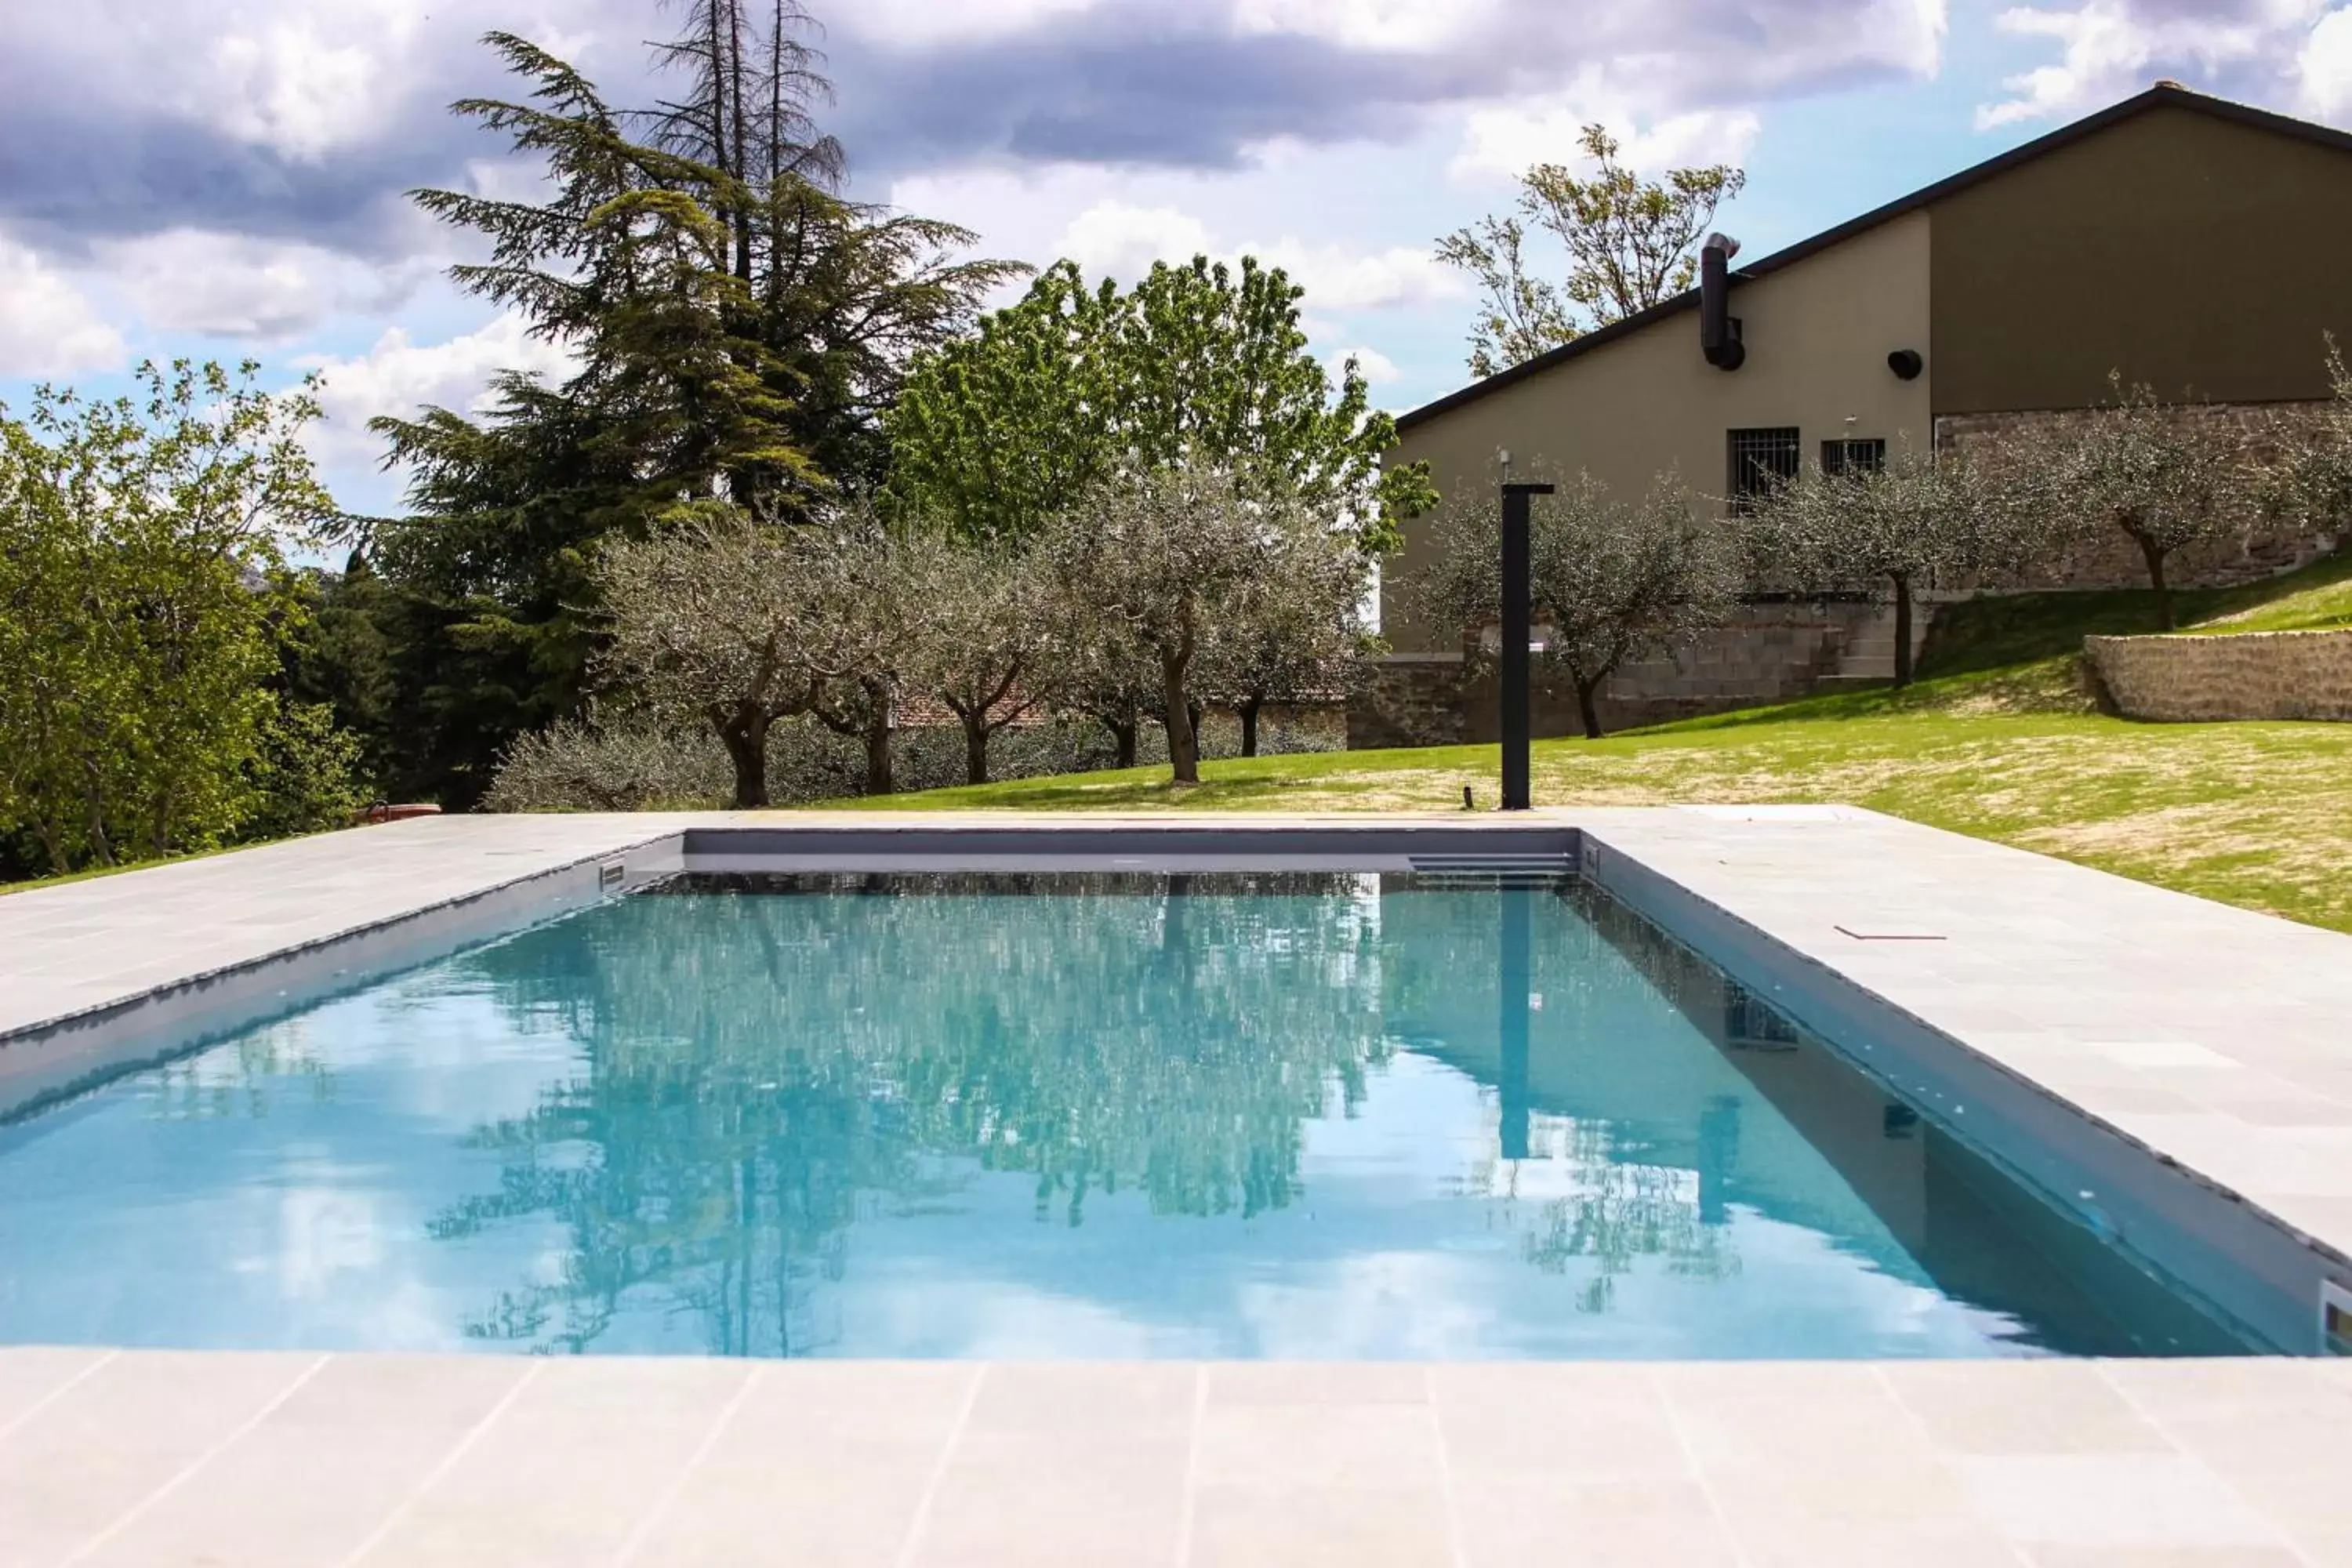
[[1768, 653], [2251, 674]]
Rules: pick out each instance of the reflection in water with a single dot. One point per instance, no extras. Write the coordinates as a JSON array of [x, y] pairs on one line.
[[767, 1070], [1263, 1115]]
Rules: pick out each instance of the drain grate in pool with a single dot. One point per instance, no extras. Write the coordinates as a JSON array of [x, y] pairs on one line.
[[1544, 871]]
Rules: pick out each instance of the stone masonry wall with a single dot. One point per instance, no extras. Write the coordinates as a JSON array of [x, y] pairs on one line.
[[1768, 653], [2251, 674], [2113, 560]]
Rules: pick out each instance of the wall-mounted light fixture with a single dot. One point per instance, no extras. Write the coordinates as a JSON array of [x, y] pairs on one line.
[[1906, 364]]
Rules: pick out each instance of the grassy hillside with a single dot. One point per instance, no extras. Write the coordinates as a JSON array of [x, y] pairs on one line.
[[1997, 740]]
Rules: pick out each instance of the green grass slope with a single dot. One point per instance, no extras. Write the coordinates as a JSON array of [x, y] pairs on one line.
[[1996, 739]]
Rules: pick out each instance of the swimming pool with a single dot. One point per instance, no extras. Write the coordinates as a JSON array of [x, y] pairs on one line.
[[1278, 1115]]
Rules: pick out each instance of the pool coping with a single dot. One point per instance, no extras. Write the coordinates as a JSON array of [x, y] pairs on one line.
[[2074, 988]]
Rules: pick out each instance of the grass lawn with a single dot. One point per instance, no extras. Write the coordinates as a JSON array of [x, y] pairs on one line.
[[1997, 740]]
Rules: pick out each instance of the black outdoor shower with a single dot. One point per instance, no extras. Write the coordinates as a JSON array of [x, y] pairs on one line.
[[1517, 694]]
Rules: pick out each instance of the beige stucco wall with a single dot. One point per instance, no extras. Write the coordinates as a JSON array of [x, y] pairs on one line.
[[1818, 333], [2253, 675]]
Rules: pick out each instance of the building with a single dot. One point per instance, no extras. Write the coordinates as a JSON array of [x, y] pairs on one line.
[[2192, 244]]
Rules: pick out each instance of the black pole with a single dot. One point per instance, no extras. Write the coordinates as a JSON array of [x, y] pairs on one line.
[[1514, 976], [1518, 721]]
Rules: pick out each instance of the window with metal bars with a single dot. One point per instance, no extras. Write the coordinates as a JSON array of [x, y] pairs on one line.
[[1761, 460], [1850, 455]]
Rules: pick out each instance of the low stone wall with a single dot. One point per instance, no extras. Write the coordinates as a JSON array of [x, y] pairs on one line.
[[1768, 653], [2252, 675]]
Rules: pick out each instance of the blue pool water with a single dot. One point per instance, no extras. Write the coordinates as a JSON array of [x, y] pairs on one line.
[[1070, 1117]]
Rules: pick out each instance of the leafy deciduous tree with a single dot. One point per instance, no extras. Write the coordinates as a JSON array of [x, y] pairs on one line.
[[1629, 243], [1198, 364], [139, 616]]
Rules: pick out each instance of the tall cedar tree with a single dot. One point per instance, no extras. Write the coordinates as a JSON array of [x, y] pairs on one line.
[[737, 328]]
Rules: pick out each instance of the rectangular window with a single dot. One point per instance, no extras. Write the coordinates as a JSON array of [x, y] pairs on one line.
[[1761, 459], [1849, 456]]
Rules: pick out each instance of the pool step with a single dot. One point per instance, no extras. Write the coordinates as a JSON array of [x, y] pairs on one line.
[[1543, 871]]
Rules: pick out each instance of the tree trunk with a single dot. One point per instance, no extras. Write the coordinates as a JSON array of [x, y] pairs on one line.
[[1122, 736], [1249, 711], [54, 842], [2154, 554], [878, 779], [975, 750], [1902, 631], [1586, 709], [744, 734], [1183, 745]]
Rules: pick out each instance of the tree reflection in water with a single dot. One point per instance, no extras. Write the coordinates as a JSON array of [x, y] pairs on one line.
[[762, 1071]]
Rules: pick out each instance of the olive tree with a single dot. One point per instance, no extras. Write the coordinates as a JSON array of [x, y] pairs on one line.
[[1173, 563], [2306, 481], [983, 636], [869, 613], [1305, 641], [731, 621], [1611, 580], [1898, 526], [2169, 475]]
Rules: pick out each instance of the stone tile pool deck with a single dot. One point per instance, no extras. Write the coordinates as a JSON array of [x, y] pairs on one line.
[[2220, 1039]]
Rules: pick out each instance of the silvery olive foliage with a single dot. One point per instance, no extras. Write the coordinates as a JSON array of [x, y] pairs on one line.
[[1613, 579], [1898, 529], [983, 644], [1155, 596], [2169, 475], [725, 619], [2309, 474], [1193, 573]]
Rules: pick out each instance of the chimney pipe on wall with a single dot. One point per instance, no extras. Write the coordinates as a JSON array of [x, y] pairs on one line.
[[1718, 328]]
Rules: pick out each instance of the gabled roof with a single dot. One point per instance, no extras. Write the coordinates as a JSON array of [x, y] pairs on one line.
[[2163, 95]]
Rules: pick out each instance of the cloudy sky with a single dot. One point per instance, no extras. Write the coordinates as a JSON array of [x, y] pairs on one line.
[[226, 179]]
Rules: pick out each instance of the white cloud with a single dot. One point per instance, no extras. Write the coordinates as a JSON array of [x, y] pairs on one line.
[[398, 376], [1370, 23], [304, 80], [933, 22], [1375, 367], [2109, 49], [2324, 67], [1122, 240], [47, 327], [1506, 139], [1338, 279], [237, 286]]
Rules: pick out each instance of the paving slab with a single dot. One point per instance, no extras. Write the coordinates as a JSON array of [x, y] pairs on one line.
[[2213, 1036], [483, 1461]]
